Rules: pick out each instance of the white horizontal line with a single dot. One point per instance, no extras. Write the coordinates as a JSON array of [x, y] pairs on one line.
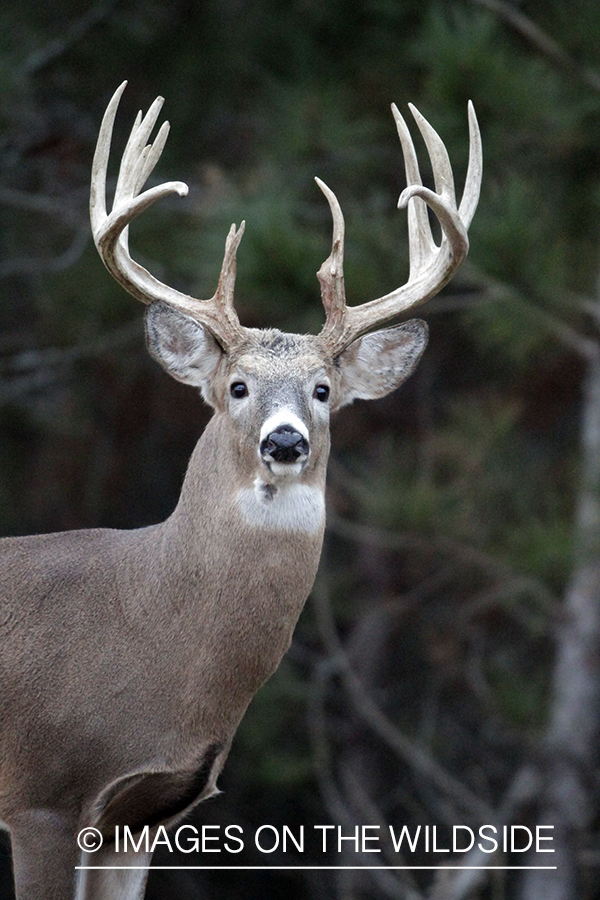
[[312, 868]]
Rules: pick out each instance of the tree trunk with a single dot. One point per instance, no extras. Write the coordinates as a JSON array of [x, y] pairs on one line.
[[570, 745]]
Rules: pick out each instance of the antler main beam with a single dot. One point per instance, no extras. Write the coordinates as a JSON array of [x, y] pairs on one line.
[[431, 266], [110, 230]]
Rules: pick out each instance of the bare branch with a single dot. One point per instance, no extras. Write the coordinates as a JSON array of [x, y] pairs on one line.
[[495, 291], [16, 340], [542, 41], [45, 367], [468, 555], [389, 733], [77, 30], [55, 208], [36, 266], [41, 203], [402, 888], [461, 885], [458, 302]]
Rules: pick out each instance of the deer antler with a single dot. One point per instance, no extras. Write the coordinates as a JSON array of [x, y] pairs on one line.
[[431, 266], [110, 230]]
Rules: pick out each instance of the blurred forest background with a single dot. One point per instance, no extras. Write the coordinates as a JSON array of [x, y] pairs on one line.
[[446, 669]]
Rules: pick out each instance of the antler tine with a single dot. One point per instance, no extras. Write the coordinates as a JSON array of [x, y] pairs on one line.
[[134, 171], [331, 273], [440, 161], [431, 266], [135, 153], [110, 230], [420, 238], [150, 156], [470, 196], [100, 162], [224, 294]]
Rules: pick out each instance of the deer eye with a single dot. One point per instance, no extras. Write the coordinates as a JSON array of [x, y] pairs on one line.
[[238, 390], [321, 393]]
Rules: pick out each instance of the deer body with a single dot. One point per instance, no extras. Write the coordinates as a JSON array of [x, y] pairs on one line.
[[150, 619], [140, 622], [165, 644], [128, 658]]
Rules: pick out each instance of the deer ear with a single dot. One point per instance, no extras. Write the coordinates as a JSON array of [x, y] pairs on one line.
[[183, 347], [378, 363]]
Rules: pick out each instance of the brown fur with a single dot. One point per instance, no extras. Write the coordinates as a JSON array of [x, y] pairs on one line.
[[128, 658]]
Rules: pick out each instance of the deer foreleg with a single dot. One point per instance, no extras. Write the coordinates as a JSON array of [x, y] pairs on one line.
[[45, 853], [118, 882]]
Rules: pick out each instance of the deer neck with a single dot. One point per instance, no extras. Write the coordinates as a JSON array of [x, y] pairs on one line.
[[229, 521], [252, 578]]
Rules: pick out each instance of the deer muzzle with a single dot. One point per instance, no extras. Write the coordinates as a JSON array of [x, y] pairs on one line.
[[284, 445]]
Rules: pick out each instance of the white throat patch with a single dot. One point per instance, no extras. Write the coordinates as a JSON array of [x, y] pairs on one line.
[[283, 507]]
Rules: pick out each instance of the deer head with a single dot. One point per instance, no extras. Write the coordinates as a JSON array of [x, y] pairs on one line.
[[277, 390]]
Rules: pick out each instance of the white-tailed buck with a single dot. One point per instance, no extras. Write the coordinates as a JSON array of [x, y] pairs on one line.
[[128, 658]]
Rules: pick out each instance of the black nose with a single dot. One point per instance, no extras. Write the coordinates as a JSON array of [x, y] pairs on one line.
[[284, 445]]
